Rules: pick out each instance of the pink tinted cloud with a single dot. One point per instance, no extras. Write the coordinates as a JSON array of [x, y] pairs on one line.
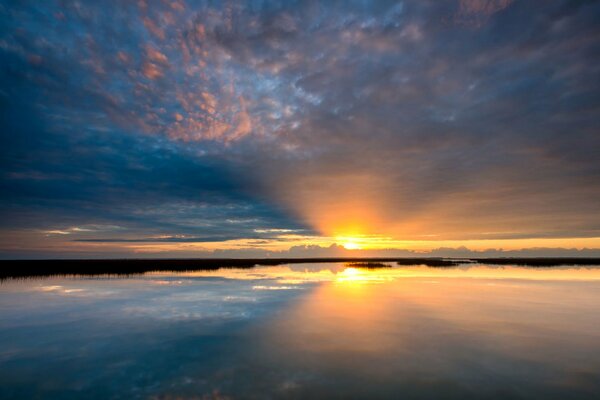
[[476, 12]]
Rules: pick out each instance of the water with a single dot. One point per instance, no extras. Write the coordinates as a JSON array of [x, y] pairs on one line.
[[305, 331]]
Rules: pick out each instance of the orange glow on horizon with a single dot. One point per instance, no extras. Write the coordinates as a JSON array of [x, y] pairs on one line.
[[348, 244]]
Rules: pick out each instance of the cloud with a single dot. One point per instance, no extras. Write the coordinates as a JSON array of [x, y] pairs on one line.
[[411, 120], [476, 12], [335, 250]]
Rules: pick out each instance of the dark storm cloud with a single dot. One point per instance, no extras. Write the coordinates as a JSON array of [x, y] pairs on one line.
[[461, 119]]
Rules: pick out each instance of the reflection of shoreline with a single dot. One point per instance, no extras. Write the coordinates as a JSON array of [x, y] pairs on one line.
[[297, 274], [36, 268], [342, 273]]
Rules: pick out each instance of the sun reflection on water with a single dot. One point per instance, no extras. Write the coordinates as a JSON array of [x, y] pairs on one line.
[[359, 275], [326, 330], [295, 274]]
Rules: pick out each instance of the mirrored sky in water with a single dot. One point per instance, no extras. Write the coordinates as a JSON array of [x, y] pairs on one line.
[[305, 331]]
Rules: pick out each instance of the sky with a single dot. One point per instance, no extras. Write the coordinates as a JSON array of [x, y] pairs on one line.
[[299, 128]]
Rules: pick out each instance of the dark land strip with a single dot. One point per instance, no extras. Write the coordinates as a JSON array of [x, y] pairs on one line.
[[95, 267]]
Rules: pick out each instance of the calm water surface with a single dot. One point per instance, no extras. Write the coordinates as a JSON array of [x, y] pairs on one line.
[[305, 331]]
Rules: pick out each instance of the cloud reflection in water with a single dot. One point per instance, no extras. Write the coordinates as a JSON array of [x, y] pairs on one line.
[[305, 331]]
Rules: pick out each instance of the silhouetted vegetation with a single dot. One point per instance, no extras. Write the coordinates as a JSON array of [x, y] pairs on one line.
[[539, 262], [368, 265], [36, 268], [32, 268], [431, 262]]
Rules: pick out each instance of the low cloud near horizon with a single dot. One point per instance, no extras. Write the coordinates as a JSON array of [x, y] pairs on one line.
[[315, 251]]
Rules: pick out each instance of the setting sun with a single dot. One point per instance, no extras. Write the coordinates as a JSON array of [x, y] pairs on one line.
[[350, 245]]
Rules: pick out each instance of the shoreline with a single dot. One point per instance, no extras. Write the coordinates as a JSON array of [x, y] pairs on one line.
[[96, 267]]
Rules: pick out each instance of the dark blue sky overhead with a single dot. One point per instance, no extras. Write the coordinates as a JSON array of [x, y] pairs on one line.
[[236, 128]]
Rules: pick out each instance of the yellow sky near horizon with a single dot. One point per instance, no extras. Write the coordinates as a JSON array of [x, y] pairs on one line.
[[366, 243], [281, 243]]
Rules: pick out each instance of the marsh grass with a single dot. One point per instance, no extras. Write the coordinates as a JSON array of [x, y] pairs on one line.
[[368, 265], [22, 269]]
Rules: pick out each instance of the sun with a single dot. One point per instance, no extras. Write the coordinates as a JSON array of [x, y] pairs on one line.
[[350, 245], [349, 242]]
